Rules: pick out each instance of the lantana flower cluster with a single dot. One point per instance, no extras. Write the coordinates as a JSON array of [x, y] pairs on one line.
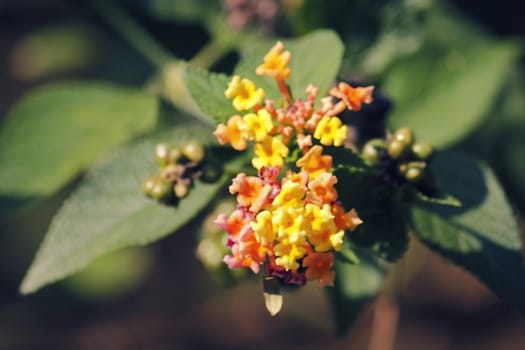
[[288, 217]]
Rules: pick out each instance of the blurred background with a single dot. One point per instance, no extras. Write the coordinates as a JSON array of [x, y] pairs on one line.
[[162, 296]]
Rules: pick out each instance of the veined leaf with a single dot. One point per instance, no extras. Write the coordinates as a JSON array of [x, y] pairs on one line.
[[56, 131], [108, 212], [207, 90], [482, 235], [458, 89]]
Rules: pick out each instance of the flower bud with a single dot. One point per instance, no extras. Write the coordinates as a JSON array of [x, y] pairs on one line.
[[148, 184], [397, 149], [161, 191], [405, 136], [415, 171], [193, 150], [161, 154], [181, 190], [372, 151], [174, 155], [422, 150]]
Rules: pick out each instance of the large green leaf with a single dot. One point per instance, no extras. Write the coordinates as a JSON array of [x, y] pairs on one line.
[[482, 236], [56, 131], [355, 286], [207, 90], [108, 212], [384, 230], [316, 59], [445, 94]]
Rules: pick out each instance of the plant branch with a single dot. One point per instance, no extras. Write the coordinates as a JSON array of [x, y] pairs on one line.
[[132, 32]]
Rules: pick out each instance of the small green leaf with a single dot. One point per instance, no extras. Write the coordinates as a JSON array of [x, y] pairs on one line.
[[316, 58], [108, 212], [383, 230], [482, 236], [56, 131], [458, 89], [355, 286], [207, 90]]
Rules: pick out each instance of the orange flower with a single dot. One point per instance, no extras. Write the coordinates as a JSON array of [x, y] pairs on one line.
[[276, 63], [322, 189], [314, 162], [251, 192], [319, 266], [352, 97], [231, 133], [247, 252], [345, 221]]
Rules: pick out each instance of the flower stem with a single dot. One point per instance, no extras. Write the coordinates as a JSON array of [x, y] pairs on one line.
[[133, 32]]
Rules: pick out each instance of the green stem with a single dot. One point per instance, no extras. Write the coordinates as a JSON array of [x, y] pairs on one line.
[[135, 35], [209, 54]]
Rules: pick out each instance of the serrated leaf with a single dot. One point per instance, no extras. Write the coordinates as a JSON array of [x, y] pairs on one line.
[[108, 212], [482, 236], [458, 89], [355, 286], [207, 90], [55, 131], [383, 230], [316, 59]]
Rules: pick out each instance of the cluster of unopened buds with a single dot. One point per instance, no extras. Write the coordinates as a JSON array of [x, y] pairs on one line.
[[288, 218], [178, 167], [399, 157]]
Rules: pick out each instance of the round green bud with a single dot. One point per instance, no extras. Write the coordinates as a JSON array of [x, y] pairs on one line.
[[405, 136], [211, 171], [174, 155], [397, 149], [402, 169], [181, 190], [422, 150], [371, 151], [148, 184], [161, 154], [415, 171], [161, 191], [193, 150]]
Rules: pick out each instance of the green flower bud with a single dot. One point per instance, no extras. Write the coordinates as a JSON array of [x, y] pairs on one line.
[[181, 190], [148, 184], [397, 149], [415, 171], [194, 151], [161, 191], [405, 136], [174, 155], [161, 154], [371, 152], [211, 171], [422, 150]]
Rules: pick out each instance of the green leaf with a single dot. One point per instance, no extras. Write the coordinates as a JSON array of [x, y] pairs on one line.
[[56, 131], [482, 236], [355, 286], [108, 212], [440, 198], [207, 90], [316, 59], [455, 91], [384, 230]]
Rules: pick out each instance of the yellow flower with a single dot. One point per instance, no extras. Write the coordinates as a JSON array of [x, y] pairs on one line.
[[257, 126], [289, 222], [331, 130], [276, 63], [269, 152], [288, 253], [244, 93], [290, 192], [263, 227]]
